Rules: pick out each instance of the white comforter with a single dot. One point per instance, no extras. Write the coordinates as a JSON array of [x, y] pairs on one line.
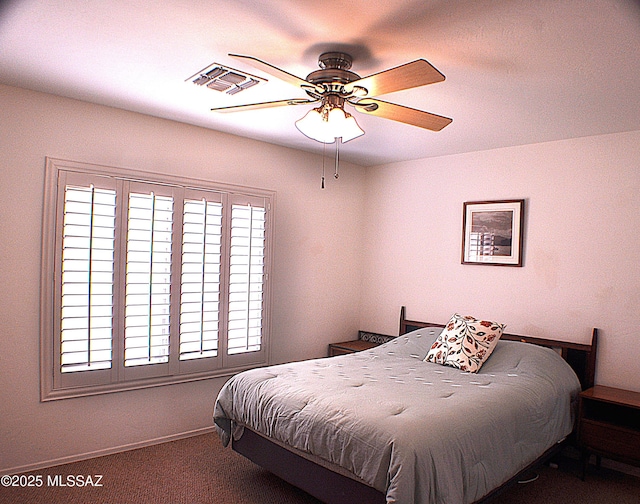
[[418, 432]]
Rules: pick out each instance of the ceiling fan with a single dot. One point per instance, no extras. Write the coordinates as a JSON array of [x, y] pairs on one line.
[[335, 85]]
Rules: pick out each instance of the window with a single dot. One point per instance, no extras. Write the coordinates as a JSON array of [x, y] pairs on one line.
[[149, 280]]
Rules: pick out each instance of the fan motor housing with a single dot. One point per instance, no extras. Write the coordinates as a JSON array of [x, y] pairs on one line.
[[334, 71], [335, 59]]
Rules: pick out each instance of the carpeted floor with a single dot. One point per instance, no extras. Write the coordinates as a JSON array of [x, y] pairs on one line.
[[199, 470]]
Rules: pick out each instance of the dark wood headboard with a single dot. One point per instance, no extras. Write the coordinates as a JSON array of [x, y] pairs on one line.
[[581, 357]]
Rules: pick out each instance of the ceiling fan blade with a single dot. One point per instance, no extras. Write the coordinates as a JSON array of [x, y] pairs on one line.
[[269, 104], [410, 75], [402, 114], [279, 73]]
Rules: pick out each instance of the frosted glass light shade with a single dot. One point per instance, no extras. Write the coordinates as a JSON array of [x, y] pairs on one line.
[[326, 128]]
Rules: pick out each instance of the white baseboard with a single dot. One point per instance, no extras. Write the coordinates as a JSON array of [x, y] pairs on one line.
[[106, 451]]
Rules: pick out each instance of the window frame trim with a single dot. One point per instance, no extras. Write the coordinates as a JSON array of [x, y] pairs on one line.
[[53, 168]]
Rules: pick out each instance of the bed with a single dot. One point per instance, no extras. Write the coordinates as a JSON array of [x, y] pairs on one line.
[[382, 425]]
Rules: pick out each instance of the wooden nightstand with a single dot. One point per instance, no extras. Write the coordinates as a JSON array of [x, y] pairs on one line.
[[347, 347], [609, 425], [365, 341]]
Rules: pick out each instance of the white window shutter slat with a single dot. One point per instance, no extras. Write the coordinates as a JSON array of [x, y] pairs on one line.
[[246, 279], [200, 282], [87, 279], [148, 279]]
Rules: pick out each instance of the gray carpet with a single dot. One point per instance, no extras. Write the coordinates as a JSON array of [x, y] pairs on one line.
[[199, 470]]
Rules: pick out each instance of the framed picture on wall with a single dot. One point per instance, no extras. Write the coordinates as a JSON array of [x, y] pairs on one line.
[[492, 232]]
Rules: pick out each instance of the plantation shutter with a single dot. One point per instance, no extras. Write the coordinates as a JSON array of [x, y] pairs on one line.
[[246, 276], [149, 279], [149, 255], [85, 280], [202, 234]]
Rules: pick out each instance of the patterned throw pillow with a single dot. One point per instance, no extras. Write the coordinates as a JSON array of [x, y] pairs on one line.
[[465, 343]]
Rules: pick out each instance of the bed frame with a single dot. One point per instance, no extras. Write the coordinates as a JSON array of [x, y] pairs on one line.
[[335, 488]]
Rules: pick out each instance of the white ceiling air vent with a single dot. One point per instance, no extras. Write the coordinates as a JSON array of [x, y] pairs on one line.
[[225, 79]]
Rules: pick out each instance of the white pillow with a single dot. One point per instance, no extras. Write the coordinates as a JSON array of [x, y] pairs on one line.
[[465, 343]]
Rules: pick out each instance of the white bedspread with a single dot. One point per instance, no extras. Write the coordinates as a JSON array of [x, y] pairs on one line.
[[419, 432]]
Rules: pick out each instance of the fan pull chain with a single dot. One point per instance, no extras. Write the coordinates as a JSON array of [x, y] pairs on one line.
[[337, 165], [335, 175], [324, 148]]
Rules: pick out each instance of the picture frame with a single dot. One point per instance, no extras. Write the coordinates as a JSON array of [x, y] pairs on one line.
[[492, 232]]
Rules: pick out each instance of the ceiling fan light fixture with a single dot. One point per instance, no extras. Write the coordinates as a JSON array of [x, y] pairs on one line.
[[325, 124]]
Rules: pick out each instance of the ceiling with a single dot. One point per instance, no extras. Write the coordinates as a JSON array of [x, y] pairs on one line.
[[517, 71]]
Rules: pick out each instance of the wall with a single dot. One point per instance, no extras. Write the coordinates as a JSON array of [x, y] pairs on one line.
[[581, 245], [316, 270]]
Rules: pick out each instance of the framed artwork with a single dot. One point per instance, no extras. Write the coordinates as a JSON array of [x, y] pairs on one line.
[[492, 232]]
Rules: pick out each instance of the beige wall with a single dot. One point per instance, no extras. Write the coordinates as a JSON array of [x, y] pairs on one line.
[[316, 270], [581, 244]]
